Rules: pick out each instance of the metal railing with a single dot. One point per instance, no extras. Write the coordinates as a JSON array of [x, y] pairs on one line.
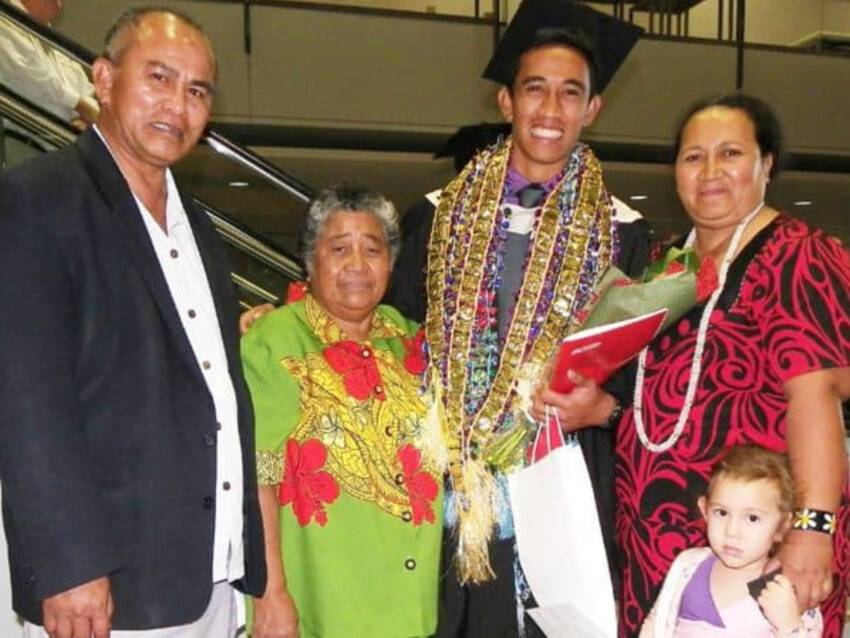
[[718, 19]]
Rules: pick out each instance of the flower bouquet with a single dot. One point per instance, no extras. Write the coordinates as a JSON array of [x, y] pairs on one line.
[[621, 317], [624, 315]]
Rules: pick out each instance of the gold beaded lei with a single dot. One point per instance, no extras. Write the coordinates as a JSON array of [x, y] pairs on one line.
[[571, 249]]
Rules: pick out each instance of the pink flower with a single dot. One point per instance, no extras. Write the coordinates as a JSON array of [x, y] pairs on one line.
[[304, 485], [422, 488]]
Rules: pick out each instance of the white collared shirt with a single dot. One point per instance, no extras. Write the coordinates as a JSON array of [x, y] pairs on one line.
[[40, 73], [184, 273]]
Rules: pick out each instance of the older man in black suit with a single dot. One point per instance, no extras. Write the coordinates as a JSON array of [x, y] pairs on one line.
[[126, 444]]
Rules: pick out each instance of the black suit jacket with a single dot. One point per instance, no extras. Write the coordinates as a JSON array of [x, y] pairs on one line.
[[107, 429]]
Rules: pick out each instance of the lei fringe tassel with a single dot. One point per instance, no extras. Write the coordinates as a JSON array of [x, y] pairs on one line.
[[434, 440], [478, 501]]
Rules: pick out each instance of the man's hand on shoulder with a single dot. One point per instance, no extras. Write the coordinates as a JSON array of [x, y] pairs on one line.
[[247, 318], [84, 611]]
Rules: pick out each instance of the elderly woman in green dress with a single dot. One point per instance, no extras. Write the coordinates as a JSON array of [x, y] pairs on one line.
[[350, 506]]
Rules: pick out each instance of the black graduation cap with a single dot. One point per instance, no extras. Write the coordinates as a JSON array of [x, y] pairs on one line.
[[465, 142], [611, 39]]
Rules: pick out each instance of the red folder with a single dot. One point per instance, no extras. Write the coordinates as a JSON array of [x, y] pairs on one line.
[[599, 352]]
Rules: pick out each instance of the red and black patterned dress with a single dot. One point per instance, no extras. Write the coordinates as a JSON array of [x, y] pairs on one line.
[[785, 311]]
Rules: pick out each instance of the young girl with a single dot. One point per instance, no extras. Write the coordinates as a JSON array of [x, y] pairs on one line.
[[747, 511]]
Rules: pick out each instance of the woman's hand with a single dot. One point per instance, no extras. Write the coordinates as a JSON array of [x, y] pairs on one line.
[[806, 559], [818, 461], [275, 616], [586, 404], [247, 318], [778, 602]]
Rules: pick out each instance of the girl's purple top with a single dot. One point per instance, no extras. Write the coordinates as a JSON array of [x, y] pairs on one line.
[[697, 603]]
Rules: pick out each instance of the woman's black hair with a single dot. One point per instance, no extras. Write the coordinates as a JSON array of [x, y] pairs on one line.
[[766, 124]]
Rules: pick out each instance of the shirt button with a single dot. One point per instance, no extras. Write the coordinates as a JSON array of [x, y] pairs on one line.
[[410, 564], [174, 254], [209, 439], [399, 479], [192, 314], [218, 426], [226, 486], [388, 431], [406, 516], [209, 501], [379, 389], [206, 365], [365, 353]]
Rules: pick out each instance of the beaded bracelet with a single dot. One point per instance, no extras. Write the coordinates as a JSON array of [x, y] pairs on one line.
[[811, 520]]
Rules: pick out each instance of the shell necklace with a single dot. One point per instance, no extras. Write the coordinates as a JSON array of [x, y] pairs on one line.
[[696, 362]]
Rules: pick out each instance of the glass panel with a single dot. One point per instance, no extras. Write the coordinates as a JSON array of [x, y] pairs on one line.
[[243, 195], [459, 8]]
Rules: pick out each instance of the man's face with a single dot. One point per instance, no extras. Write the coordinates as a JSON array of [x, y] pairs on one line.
[[548, 106], [156, 99], [43, 11]]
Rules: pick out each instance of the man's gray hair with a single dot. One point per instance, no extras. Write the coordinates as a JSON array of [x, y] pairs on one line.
[[117, 36], [349, 198]]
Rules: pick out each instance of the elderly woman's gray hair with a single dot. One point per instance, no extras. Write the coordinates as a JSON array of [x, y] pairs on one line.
[[349, 198]]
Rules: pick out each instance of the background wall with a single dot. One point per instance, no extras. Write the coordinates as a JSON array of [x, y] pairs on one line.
[[374, 72]]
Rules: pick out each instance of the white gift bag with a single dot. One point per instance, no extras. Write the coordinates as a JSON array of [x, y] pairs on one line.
[[559, 539]]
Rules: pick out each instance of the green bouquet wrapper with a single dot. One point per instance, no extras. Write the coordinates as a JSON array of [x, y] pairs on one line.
[[677, 282]]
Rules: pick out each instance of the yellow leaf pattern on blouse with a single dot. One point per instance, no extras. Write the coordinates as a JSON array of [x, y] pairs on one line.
[[362, 437]]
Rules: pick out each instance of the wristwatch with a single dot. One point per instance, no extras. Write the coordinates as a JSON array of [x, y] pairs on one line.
[[616, 414]]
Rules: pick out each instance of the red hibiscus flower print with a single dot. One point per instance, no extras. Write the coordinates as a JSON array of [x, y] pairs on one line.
[[414, 359], [304, 485], [707, 279], [296, 291], [356, 363], [422, 488]]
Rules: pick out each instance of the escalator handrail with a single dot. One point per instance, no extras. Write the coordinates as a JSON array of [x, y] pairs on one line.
[[224, 146], [38, 121], [235, 234]]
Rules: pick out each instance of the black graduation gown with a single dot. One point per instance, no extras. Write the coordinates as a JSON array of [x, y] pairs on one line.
[[407, 293]]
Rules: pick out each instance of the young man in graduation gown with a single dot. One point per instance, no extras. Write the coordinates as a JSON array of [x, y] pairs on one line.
[[514, 246]]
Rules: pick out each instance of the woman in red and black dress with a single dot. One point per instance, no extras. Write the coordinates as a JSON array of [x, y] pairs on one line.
[[765, 360]]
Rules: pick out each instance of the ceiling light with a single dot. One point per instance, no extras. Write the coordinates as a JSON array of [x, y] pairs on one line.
[[638, 198], [238, 184], [803, 202]]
